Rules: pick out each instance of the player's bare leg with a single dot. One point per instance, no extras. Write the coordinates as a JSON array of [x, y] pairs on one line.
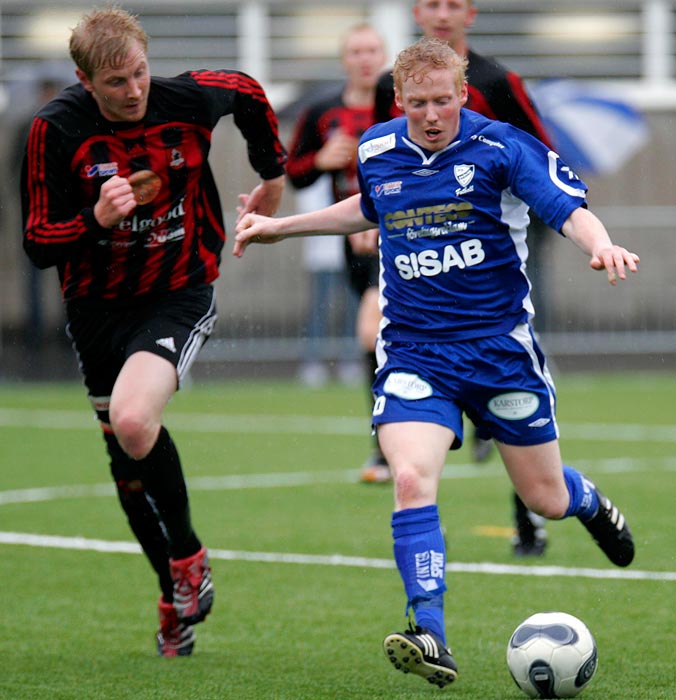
[[416, 452], [556, 491]]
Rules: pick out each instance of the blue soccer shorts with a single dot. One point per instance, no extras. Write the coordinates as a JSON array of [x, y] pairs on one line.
[[500, 383]]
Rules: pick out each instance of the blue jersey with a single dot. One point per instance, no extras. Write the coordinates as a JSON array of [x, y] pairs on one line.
[[453, 225]]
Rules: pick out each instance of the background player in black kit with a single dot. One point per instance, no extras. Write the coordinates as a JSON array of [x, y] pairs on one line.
[[500, 94], [136, 262], [325, 141]]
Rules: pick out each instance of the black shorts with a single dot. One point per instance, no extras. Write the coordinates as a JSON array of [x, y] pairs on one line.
[[174, 327], [363, 270]]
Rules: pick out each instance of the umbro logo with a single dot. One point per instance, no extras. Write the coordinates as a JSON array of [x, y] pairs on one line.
[[167, 343], [424, 172], [539, 423]]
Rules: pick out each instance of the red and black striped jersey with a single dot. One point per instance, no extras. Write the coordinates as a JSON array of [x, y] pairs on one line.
[[313, 130], [493, 91], [170, 243]]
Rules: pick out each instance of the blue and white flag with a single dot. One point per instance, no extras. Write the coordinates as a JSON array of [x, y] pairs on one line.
[[592, 129]]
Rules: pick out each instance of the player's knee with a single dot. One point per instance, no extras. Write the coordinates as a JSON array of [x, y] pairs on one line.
[[409, 488], [548, 503], [134, 431], [548, 510]]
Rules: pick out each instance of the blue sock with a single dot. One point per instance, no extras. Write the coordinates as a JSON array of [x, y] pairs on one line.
[[584, 502], [430, 613], [420, 554]]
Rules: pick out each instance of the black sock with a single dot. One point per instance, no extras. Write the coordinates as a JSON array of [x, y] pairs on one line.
[[162, 477], [143, 518], [149, 531]]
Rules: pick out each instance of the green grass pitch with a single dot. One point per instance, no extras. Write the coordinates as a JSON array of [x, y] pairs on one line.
[[305, 588]]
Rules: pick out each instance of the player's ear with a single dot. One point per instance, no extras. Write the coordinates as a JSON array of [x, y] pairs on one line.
[[464, 94], [82, 77], [397, 100], [470, 17]]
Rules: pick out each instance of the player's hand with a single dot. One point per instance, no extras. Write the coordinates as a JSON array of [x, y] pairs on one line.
[[364, 242], [254, 228], [615, 260], [116, 200], [337, 153], [264, 199]]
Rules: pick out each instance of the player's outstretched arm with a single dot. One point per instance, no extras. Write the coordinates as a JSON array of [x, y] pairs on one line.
[[589, 234], [341, 218]]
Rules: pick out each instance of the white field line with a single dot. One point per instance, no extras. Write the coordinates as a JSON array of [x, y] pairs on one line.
[[225, 483], [113, 547], [347, 476], [303, 425], [336, 425]]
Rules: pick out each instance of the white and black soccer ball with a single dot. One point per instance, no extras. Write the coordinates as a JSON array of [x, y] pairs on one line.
[[552, 655]]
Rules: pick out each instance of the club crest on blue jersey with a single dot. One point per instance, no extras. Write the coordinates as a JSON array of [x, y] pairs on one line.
[[464, 173]]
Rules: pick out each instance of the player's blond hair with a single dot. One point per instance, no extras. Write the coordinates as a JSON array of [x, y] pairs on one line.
[[103, 38], [418, 59]]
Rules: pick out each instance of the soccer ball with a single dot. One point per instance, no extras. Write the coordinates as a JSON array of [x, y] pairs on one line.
[[552, 655]]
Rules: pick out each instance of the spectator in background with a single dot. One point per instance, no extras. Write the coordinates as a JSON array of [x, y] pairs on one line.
[[497, 93], [325, 141], [47, 87], [332, 305]]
